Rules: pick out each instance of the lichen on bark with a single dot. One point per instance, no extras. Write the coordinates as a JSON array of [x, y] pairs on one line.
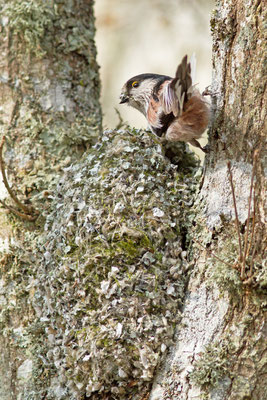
[[223, 309], [50, 114]]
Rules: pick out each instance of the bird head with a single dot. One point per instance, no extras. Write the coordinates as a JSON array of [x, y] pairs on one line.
[[137, 91]]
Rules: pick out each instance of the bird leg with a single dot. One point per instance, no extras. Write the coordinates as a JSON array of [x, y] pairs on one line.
[[195, 143]]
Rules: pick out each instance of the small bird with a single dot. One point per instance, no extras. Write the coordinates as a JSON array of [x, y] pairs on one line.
[[172, 106]]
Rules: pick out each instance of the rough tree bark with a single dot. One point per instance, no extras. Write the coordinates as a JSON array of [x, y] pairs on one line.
[[50, 113], [220, 350], [92, 290]]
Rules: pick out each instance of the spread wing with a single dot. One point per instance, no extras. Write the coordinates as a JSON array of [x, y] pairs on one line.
[[178, 90]]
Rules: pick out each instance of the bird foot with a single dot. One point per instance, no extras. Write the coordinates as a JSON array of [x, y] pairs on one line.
[[208, 92]]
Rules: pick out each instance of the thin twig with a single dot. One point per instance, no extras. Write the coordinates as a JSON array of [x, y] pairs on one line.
[[256, 243], [236, 215], [213, 255], [253, 229], [121, 123], [26, 209], [248, 281], [26, 217], [255, 156], [12, 195]]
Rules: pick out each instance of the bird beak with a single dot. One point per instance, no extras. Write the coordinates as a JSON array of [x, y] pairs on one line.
[[124, 98]]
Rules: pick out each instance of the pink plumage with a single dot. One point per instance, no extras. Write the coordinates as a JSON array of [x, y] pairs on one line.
[[172, 106]]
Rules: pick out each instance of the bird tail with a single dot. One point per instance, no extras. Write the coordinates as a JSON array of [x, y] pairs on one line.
[[179, 90]]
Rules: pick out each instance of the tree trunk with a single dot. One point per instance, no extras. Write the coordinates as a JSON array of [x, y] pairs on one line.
[[221, 341], [50, 113]]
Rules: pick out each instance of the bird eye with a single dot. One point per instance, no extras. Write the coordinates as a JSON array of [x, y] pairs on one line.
[[135, 84]]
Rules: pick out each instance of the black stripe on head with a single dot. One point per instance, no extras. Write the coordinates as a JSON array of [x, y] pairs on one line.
[[140, 78]]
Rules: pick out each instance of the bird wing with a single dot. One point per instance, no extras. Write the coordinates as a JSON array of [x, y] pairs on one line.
[[178, 90]]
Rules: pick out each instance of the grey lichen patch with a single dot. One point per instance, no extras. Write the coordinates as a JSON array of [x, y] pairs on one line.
[[60, 51], [5, 232], [30, 20], [234, 362], [82, 131], [34, 22], [222, 263], [227, 279], [112, 277], [212, 365], [62, 141]]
